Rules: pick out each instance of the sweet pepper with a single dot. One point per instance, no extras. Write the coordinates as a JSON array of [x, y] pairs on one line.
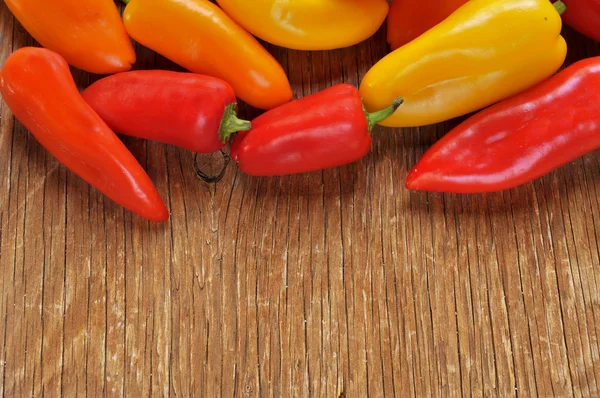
[[407, 21], [484, 52], [321, 131], [38, 88], [88, 34], [199, 36], [309, 24], [191, 111], [584, 16], [517, 140]]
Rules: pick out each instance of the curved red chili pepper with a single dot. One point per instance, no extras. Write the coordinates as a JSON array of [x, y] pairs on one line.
[[323, 130], [190, 111], [37, 86], [518, 140]]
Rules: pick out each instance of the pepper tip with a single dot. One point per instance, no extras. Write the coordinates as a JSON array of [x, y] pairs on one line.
[[411, 180]]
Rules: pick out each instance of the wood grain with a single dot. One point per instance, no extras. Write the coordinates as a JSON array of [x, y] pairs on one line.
[[336, 283]]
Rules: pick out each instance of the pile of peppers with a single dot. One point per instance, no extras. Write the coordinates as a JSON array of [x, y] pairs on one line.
[[498, 60]]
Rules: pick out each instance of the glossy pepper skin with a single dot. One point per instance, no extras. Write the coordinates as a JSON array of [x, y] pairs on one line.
[[89, 34], [309, 24], [191, 111], [409, 19], [199, 36], [486, 51], [520, 139], [37, 86], [321, 131], [584, 16]]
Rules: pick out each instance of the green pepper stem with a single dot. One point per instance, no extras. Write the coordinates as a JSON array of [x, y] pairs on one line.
[[231, 124], [377, 117], [560, 7], [126, 1]]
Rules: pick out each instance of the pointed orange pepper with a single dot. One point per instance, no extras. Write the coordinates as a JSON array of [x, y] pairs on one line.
[[89, 34], [38, 88], [200, 37]]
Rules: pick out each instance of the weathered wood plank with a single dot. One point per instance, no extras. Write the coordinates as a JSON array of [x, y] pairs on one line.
[[334, 283]]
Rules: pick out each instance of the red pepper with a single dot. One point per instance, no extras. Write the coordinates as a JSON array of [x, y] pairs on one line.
[[324, 130], [584, 16], [409, 19], [518, 140], [37, 86], [190, 111]]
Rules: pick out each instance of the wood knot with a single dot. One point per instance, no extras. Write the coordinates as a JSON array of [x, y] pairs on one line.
[[248, 390], [211, 168]]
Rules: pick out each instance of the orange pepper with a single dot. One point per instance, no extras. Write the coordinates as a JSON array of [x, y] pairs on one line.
[[38, 88], [409, 19], [200, 37], [89, 34]]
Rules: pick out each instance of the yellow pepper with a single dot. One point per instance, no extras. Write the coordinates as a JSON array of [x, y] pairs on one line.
[[309, 24], [486, 51]]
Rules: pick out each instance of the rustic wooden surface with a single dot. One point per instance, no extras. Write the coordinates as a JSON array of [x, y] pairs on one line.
[[334, 283]]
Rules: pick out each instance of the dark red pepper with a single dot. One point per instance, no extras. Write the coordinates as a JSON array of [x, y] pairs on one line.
[[518, 140], [583, 16], [188, 110], [320, 131]]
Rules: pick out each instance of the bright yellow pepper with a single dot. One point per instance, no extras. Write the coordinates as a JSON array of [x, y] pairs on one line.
[[486, 51], [309, 24]]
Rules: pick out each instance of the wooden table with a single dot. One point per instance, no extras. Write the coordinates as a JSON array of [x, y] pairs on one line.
[[329, 284]]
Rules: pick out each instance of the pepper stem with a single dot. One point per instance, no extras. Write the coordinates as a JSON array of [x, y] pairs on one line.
[[560, 7], [126, 1], [231, 124], [375, 118]]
